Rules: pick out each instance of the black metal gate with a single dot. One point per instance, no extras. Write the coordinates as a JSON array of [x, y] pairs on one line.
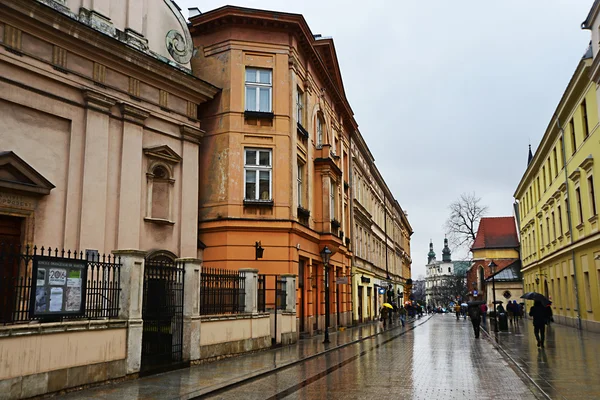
[[162, 312]]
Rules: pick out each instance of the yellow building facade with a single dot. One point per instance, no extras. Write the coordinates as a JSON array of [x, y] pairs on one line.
[[558, 211]]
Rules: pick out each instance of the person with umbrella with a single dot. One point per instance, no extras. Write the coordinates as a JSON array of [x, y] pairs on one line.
[[541, 315], [474, 312], [386, 310]]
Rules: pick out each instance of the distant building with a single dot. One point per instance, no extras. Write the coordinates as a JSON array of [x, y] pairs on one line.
[[441, 277], [497, 241]]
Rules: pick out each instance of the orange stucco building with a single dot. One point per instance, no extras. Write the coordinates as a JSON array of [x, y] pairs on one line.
[[277, 159]]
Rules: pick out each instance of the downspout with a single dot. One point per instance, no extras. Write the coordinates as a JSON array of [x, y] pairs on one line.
[[570, 222], [352, 241]]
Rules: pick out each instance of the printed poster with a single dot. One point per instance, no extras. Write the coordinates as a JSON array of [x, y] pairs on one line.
[[58, 276], [41, 277], [56, 299], [73, 299], [74, 278], [41, 299]]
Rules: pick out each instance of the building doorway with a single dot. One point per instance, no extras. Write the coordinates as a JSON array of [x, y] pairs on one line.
[[10, 242], [360, 304], [162, 312]]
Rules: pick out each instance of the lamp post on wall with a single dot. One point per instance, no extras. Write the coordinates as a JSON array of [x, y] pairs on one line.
[[326, 254], [493, 266]]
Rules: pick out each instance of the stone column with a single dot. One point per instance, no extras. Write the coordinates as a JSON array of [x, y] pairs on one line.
[[290, 292], [132, 291], [251, 289], [95, 170], [191, 308], [189, 190], [131, 173]]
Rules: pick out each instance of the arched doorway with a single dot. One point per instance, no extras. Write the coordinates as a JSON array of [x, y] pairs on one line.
[[162, 312]]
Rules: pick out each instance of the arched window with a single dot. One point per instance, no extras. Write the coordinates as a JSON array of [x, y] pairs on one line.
[[320, 129]]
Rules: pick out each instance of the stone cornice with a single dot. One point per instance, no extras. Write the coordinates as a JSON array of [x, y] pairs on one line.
[[75, 37], [98, 101], [575, 175], [133, 114], [587, 164], [191, 133]]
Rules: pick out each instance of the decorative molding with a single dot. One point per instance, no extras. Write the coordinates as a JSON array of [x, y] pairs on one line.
[[587, 164], [191, 133], [97, 21], [164, 98], [59, 57], [134, 87], [12, 37], [98, 101], [17, 175], [575, 175], [164, 153], [136, 40], [192, 110], [133, 114], [99, 73], [179, 47]]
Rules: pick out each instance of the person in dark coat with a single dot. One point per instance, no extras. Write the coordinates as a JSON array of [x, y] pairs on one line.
[[475, 316], [541, 315]]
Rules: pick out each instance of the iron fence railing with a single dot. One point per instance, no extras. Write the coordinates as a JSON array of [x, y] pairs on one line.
[[222, 291], [271, 292], [102, 283]]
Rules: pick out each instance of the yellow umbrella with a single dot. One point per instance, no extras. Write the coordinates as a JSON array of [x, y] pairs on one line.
[[388, 305]]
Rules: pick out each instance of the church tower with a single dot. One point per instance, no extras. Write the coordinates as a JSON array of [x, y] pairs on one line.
[[431, 255], [446, 252]]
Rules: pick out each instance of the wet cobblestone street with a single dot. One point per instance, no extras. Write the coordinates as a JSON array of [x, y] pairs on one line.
[[439, 359]]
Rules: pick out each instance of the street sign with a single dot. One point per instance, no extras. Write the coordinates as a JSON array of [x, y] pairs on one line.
[[475, 292], [341, 280], [381, 290]]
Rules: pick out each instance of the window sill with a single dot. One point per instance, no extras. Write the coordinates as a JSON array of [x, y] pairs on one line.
[[303, 132], [159, 221], [258, 114], [580, 227], [258, 203], [593, 218]]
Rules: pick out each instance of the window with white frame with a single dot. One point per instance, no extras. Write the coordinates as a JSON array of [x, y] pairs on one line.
[[592, 195], [319, 131], [259, 89], [332, 199], [300, 107], [300, 184], [258, 170]]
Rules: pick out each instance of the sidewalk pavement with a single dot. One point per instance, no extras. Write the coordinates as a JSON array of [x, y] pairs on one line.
[[567, 368], [210, 377]]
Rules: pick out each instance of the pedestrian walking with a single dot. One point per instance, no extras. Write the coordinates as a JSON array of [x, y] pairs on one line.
[[457, 311], [402, 313], [483, 308], [541, 316], [475, 316], [384, 313], [513, 310]]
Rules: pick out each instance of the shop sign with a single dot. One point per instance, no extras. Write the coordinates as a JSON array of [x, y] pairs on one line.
[[58, 287], [341, 280]]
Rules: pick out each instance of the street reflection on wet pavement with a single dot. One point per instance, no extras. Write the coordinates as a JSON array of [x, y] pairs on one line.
[[439, 359], [567, 368]]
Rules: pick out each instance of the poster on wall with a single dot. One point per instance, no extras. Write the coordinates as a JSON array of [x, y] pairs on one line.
[[60, 286]]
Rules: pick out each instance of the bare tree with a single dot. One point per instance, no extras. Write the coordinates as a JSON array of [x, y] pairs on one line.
[[451, 288], [465, 214]]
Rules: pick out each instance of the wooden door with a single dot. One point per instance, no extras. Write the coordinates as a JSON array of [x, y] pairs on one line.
[[10, 241]]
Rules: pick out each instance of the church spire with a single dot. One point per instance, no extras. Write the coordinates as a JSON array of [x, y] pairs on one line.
[[431, 254], [530, 156], [446, 252]]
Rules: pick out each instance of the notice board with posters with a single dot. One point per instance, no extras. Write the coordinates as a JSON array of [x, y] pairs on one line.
[[58, 287]]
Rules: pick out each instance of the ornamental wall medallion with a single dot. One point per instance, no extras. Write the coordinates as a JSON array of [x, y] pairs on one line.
[[178, 47]]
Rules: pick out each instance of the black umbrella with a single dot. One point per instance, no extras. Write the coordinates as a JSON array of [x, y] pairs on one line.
[[475, 303], [536, 296], [497, 302]]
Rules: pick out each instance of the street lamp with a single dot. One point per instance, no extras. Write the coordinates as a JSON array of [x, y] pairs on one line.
[[493, 266], [326, 254]]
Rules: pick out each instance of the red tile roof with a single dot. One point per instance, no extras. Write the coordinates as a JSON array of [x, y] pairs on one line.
[[496, 233]]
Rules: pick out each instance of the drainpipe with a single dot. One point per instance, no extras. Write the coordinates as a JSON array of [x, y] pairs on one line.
[[570, 222]]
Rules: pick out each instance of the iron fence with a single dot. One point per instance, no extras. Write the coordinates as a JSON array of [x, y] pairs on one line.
[[271, 293], [222, 291], [102, 284]]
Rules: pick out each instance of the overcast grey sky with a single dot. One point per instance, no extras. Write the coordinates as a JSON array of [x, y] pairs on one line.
[[447, 93]]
